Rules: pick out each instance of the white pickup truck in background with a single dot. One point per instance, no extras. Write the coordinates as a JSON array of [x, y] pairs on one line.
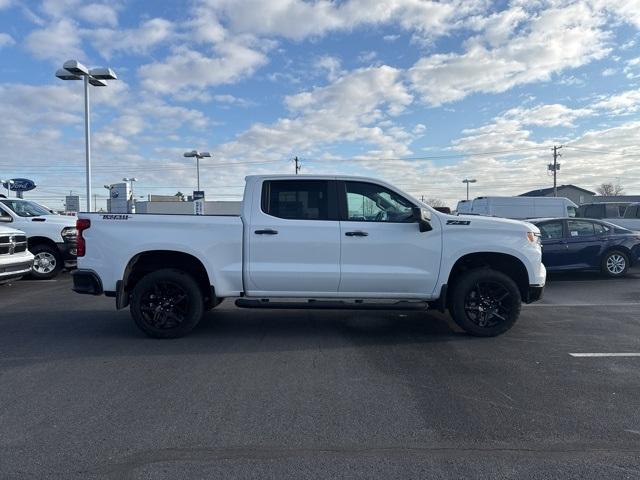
[[52, 237], [312, 242], [15, 259]]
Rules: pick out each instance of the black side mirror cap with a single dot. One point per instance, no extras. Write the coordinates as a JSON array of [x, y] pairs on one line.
[[423, 217]]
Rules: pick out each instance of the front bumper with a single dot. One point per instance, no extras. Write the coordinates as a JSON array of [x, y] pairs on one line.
[[16, 270], [534, 293], [68, 251], [87, 282]]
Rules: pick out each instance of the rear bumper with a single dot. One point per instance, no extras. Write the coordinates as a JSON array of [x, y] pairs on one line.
[[86, 282], [534, 293]]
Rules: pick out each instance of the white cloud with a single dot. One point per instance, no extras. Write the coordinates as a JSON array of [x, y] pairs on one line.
[[58, 41], [5, 4], [624, 103], [141, 40], [553, 40], [330, 65], [607, 72], [187, 69], [6, 40], [551, 115], [99, 14]]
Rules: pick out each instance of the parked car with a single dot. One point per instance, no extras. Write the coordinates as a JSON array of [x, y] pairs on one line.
[[622, 214], [15, 259], [51, 237], [585, 244], [360, 242], [524, 207]]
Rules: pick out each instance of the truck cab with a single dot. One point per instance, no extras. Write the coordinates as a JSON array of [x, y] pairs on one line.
[[51, 237]]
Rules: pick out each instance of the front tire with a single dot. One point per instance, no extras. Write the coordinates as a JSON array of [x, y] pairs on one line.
[[485, 303], [47, 262], [615, 264], [167, 303]]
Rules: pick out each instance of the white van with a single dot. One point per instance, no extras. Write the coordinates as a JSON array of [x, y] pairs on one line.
[[520, 208], [464, 206]]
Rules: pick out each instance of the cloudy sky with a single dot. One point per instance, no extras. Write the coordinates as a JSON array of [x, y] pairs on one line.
[[419, 93]]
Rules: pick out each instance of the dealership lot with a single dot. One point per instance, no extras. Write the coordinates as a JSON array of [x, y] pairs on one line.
[[257, 394]]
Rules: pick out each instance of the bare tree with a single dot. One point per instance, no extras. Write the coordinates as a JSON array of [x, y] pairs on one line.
[[434, 202], [180, 196], [610, 189]]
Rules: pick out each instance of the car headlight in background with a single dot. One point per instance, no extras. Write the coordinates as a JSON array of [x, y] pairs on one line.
[[534, 237], [69, 234]]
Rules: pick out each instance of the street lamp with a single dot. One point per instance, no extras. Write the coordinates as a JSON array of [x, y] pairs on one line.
[[131, 180], [468, 181], [74, 70], [198, 155]]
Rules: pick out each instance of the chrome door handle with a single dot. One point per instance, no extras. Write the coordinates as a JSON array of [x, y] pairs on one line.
[[356, 234]]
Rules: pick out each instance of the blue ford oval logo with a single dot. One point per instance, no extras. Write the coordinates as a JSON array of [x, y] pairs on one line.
[[19, 184]]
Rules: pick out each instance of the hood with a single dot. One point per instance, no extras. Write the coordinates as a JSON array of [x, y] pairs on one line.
[[494, 222], [11, 231]]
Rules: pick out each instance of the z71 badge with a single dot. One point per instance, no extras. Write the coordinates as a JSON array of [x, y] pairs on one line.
[[458, 222]]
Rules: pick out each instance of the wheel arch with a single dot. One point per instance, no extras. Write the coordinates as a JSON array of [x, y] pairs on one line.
[[151, 260], [508, 264], [40, 240]]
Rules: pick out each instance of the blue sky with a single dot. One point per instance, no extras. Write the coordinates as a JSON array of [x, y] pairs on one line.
[[420, 93]]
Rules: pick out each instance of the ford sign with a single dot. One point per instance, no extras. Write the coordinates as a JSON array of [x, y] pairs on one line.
[[19, 184]]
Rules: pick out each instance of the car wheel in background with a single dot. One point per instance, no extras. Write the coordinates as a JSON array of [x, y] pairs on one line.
[[615, 264], [485, 303], [167, 303], [47, 262]]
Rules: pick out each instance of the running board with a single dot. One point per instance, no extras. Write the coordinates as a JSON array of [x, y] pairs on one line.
[[330, 305]]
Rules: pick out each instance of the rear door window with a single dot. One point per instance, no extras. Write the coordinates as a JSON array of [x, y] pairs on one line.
[[600, 229], [296, 199], [578, 228]]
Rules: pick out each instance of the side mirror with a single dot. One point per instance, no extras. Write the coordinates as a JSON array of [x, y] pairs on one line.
[[6, 219], [423, 217]]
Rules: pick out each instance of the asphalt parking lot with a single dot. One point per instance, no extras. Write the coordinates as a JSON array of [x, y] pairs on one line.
[[316, 394]]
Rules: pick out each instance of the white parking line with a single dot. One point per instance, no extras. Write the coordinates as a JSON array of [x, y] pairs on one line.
[[621, 304], [605, 354]]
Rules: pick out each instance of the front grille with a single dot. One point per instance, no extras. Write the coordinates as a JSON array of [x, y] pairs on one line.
[[10, 244]]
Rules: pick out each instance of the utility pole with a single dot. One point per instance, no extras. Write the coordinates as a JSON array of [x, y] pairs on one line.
[[298, 166], [554, 167]]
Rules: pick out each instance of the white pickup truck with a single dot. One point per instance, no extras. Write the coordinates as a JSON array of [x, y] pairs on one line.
[[15, 259], [312, 242]]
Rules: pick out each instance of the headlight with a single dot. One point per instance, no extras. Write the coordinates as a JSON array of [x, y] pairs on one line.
[[69, 234], [534, 237]]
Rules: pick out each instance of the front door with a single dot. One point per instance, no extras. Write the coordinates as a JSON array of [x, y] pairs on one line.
[[293, 240], [384, 254]]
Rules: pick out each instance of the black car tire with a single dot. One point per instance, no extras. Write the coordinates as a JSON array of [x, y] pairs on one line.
[[485, 303], [615, 264], [47, 262], [167, 303]]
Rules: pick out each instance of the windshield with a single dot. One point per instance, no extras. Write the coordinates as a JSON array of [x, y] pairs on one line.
[[24, 208]]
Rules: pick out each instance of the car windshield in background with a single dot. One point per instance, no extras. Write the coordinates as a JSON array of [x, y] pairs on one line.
[[25, 208]]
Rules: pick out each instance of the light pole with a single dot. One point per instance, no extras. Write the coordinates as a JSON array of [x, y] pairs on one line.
[[198, 155], [468, 181], [133, 198], [9, 183], [74, 70]]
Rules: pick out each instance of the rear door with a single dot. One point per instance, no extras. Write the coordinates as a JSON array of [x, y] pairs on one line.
[[384, 254], [294, 239], [583, 244]]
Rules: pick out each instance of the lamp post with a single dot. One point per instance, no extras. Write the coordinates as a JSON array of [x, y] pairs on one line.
[[198, 155], [468, 181], [74, 70], [133, 198]]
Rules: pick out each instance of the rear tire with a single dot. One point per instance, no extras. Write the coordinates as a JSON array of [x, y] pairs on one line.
[[485, 303], [47, 262], [167, 303], [615, 264]]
